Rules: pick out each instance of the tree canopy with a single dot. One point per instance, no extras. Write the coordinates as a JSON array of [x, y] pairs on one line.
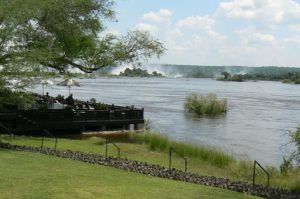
[[62, 34]]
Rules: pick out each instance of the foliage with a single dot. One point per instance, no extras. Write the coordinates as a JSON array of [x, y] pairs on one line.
[[43, 36], [205, 104], [295, 139], [287, 163], [228, 77], [286, 81], [286, 166], [9, 100], [138, 72], [163, 143]]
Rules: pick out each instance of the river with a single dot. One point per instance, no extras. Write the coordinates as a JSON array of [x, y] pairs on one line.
[[260, 114]]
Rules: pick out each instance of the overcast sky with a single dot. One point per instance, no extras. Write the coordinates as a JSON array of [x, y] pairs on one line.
[[211, 32]]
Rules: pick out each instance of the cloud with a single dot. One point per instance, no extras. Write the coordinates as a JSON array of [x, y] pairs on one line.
[[294, 27], [251, 36], [293, 40], [268, 11], [199, 24], [200, 40], [146, 27], [203, 22], [238, 9], [160, 16]]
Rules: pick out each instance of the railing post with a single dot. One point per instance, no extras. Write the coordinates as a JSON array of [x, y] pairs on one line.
[[42, 141], [170, 158], [105, 148], [264, 170], [55, 143], [254, 173]]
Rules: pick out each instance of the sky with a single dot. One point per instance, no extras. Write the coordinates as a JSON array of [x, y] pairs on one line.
[[212, 32]]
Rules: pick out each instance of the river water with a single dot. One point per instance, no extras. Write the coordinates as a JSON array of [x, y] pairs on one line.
[[260, 114]]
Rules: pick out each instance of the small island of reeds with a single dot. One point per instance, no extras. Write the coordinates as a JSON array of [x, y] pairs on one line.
[[205, 104]]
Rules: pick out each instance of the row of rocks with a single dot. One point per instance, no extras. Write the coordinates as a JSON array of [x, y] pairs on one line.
[[162, 172]]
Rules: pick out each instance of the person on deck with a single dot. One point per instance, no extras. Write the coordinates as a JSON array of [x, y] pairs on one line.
[[70, 100]]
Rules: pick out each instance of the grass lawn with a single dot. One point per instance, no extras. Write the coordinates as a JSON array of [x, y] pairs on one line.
[[235, 170], [30, 175]]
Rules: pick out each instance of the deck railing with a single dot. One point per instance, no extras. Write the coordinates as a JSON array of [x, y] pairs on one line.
[[81, 114]]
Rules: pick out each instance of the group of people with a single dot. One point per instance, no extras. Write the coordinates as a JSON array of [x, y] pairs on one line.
[[68, 101]]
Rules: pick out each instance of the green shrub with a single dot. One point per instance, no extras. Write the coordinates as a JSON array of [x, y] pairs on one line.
[[205, 104], [297, 81], [286, 81], [9, 99]]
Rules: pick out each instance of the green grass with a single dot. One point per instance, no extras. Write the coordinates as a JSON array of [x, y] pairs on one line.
[[153, 148], [205, 104], [163, 143], [30, 175]]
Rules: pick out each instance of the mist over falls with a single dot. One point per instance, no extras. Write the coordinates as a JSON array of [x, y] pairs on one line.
[[194, 71]]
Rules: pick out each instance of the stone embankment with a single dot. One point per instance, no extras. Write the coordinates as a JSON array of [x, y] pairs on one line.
[[162, 172]]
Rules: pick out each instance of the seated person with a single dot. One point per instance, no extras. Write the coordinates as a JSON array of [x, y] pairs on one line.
[[70, 100]]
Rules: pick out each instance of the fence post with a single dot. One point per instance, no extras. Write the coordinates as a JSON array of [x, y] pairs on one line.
[[106, 148], [254, 173], [42, 141], [185, 164], [170, 158], [55, 142], [263, 169]]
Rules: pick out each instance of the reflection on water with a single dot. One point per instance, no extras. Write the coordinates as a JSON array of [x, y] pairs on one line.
[[259, 113]]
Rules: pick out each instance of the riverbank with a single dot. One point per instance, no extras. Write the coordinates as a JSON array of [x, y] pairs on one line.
[[154, 149], [33, 175]]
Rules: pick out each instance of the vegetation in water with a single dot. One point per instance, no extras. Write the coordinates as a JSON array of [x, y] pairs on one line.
[[229, 77], [138, 72], [205, 104]]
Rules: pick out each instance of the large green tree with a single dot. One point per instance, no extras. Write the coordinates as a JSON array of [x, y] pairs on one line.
[[36, 35]]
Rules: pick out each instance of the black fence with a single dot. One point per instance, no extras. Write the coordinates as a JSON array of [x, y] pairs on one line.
[[107, 142], [82, 114], [180, 155], [48, 134], [263, 169]]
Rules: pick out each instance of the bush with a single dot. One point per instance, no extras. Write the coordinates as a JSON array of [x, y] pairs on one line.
[[297, 81], [205, 104], [9, 99], [286, 81]]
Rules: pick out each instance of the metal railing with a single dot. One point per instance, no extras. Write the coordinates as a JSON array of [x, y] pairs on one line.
[[116, 146], [46, 132], [263, 169], [81, 114], [180, 155]]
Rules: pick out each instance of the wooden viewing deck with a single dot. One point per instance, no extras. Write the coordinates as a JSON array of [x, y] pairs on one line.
[[72, 120]]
